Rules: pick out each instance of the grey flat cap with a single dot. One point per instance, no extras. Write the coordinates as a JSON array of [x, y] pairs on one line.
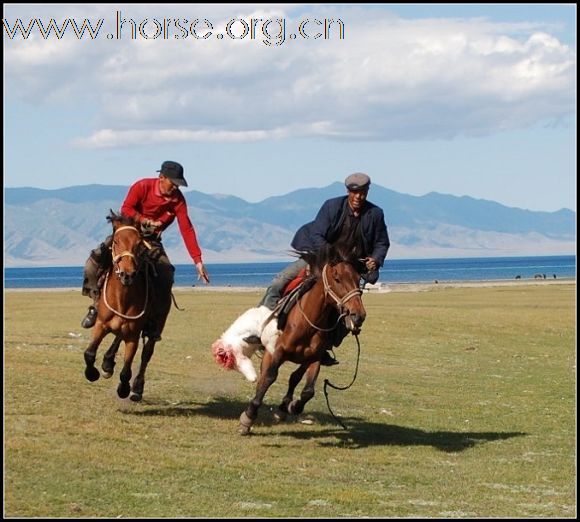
[[357, 181]]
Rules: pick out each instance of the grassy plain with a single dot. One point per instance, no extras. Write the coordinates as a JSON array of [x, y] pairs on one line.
[[464, 406]]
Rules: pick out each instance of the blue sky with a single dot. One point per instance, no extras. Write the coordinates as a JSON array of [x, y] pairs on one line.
[[476, 100]]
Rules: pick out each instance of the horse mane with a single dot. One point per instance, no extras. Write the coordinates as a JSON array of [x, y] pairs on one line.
[[121, 218], [331, 255]]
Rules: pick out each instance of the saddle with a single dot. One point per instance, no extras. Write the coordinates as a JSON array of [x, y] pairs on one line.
[[294, 290]]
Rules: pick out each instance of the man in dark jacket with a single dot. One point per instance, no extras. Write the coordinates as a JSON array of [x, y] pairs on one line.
[[351, 219]]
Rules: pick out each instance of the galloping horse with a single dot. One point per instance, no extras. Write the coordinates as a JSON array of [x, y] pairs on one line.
[[124, 307], [335, 295]]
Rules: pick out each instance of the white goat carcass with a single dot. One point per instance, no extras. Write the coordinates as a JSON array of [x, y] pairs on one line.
[[234, 349]]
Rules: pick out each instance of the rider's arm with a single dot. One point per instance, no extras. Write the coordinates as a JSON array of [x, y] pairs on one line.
[[381, 242], [187, 231], [132, 204]]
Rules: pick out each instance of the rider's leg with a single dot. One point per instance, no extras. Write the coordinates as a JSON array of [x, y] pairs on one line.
[[97, 263], [162, 305], [274, 291]]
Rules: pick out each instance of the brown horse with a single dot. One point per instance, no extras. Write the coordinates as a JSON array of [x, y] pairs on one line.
[[124, 307], [334, 296]]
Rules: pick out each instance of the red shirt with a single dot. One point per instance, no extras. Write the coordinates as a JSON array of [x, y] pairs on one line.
[[144, 200]]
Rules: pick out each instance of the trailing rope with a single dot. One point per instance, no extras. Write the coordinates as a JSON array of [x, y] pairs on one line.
[[342, 388]]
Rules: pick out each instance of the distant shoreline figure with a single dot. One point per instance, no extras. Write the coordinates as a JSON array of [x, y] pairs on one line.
[[518, 276]]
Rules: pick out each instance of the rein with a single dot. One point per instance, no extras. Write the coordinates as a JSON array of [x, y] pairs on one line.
[[342, 388], [116, 312]]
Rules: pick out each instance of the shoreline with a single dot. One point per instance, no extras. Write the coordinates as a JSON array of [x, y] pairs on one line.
[[377, 288]]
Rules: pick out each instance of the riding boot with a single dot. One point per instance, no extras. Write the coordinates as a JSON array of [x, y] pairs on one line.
[[97, 264], [91, 318], [338, 335], [328, 360]]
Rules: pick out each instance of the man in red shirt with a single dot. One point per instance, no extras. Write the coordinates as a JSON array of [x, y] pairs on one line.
[[154, 203]]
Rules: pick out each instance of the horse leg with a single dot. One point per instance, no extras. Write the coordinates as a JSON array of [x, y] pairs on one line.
[[108, 365], [125, 377], [268, 374], [295, 378], [296, 407], [139, 381], [99, 332]]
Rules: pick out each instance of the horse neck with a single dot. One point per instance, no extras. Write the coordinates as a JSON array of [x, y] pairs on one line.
[[126, 299], [314, 303]]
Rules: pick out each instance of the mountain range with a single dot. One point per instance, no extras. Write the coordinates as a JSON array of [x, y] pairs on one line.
[[59, 227]]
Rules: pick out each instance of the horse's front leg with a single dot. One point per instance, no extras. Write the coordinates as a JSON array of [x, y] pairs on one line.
[[108, 365], [99, 332], [295, 378], [125, 377], [296, 407], [139, 382], [268, 375]]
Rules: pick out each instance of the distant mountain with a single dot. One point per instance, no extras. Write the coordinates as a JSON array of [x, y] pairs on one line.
[[60, 227]]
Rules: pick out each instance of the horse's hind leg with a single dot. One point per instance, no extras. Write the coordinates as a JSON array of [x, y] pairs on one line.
[[295, 378], [296, 407], [139, 381], [124, 387], [90, 355], [268, 374], [108, 365]]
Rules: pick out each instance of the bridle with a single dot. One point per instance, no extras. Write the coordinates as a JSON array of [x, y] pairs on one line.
[[125, 253], [338, 301], [116, 257]]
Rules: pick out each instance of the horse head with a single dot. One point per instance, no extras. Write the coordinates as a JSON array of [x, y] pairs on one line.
[[127, 248], [340, 268], [342, 289]]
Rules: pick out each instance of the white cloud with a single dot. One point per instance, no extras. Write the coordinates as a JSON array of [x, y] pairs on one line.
[[389, 79]]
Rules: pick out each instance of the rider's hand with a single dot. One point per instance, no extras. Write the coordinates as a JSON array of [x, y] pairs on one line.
[[202, 273], [370, 263], [149, 226]]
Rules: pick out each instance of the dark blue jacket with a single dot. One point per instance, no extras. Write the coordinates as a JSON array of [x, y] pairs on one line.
[[325, 229]]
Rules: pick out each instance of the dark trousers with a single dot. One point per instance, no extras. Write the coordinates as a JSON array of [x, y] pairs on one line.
[[274, 291]]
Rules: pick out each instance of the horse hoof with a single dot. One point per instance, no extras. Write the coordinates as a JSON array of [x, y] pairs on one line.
[[106, 375], [123, 390], [92, 374], [135, 397], [280, 415], [245, 424], [294, 408], [244, 430]]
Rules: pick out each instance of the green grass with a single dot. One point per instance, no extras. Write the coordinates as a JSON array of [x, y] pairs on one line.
[[464, 406]]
